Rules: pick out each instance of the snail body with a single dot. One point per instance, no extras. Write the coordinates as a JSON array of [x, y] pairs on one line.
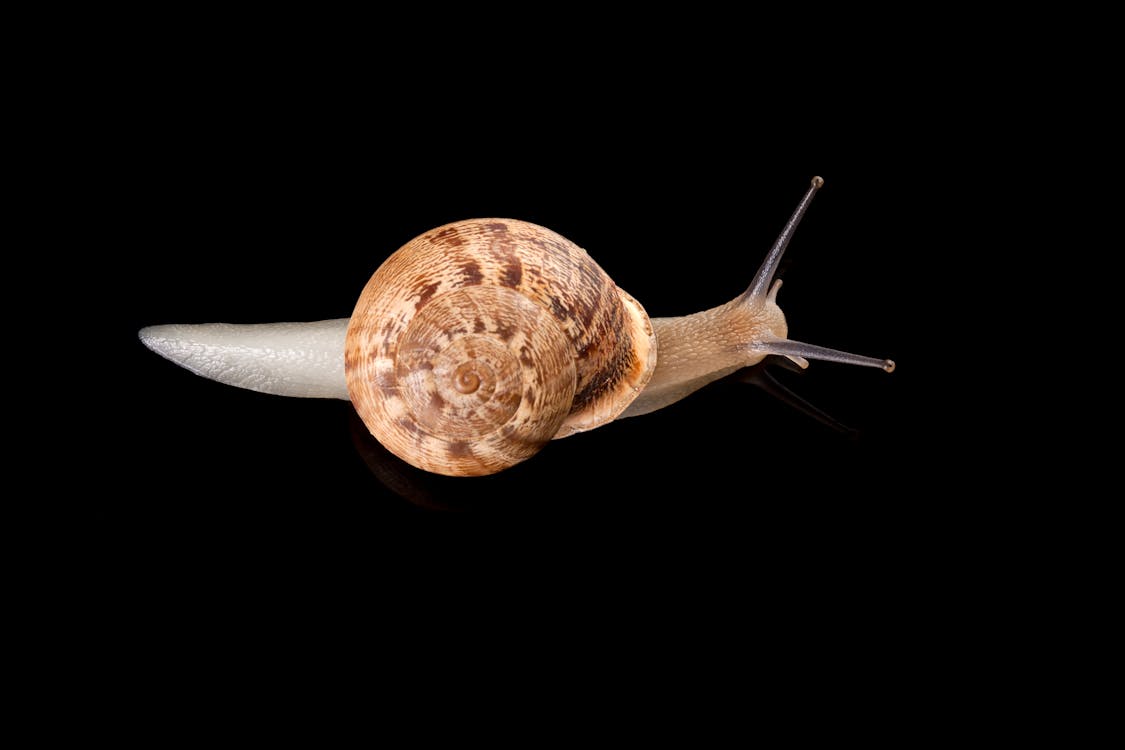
[[479, 341]]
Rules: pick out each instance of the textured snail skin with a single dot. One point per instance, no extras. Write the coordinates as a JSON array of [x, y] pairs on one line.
[[479, 341], [699, 349]]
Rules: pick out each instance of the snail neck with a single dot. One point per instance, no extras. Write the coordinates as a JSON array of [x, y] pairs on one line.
[[694, 350]]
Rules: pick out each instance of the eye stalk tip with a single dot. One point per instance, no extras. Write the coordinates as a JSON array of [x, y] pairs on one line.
[[818, 182], [888, 365]]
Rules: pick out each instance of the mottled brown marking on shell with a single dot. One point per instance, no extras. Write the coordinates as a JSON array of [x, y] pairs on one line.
[[506, 332], [616, 368], [447, 236], [460, 448], [407, 425], [511, 273], [477, 278], [558, 307], [471, 271], [425, 291]]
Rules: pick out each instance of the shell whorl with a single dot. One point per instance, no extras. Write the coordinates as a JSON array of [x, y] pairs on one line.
[[479, 341]]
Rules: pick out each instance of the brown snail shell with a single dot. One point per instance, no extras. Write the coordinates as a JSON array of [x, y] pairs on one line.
[[479, 341]]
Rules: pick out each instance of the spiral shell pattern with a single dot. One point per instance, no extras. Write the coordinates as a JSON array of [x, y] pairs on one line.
[[479, 341]]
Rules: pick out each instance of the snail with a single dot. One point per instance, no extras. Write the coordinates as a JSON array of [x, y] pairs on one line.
[[478, 342]]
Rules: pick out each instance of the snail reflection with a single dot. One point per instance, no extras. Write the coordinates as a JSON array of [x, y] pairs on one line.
[[434, 492], [480, 341]]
